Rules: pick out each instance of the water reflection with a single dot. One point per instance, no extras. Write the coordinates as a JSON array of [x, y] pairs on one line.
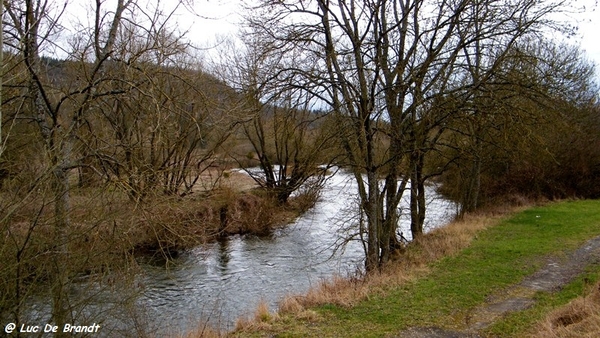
[[223, 253]]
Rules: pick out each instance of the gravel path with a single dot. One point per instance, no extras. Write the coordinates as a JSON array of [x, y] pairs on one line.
[[552, 277]]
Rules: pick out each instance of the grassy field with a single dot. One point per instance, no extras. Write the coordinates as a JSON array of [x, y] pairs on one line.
[[444, 292]]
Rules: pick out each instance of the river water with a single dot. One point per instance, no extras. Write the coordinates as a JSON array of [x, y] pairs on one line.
[[225, 280]]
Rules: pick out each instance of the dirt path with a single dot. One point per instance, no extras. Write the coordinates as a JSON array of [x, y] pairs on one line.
[[557, 273]]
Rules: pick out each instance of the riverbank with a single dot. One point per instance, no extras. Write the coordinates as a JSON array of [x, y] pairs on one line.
[[174, 226], [439, 282], [223, 203]]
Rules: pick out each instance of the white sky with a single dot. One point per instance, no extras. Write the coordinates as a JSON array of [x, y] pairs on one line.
[[224, 14], [214, 18], [589, 28]]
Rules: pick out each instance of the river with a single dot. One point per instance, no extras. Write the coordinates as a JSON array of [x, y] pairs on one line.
[[222, 281]]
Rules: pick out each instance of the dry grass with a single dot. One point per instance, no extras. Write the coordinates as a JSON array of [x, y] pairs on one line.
[[260, 321], [183, 223], [262, 313], [225, 179], [290, 304], [579, 318]]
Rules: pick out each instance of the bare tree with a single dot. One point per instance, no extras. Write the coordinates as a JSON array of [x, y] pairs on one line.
[[31, 26], [60, 97], [167, 122], [286, 132], [380, 66]]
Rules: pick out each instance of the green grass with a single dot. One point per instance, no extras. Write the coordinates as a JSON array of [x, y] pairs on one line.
[[500, 256]]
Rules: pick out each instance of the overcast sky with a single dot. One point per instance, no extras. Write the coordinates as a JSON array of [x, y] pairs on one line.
[[214, 18], [221, 16], [589, 29]]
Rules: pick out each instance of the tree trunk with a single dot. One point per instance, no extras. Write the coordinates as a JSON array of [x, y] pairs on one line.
[[373, 223], [417, 195], [56, 151], [473, 184]]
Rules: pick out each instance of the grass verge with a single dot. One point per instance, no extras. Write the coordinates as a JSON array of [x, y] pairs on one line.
[[443, 291]]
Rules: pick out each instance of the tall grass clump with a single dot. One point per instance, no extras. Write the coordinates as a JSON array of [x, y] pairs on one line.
[[260, 321], [578, 318]]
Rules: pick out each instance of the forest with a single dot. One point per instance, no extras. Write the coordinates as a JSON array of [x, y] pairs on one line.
[[118, 139]]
